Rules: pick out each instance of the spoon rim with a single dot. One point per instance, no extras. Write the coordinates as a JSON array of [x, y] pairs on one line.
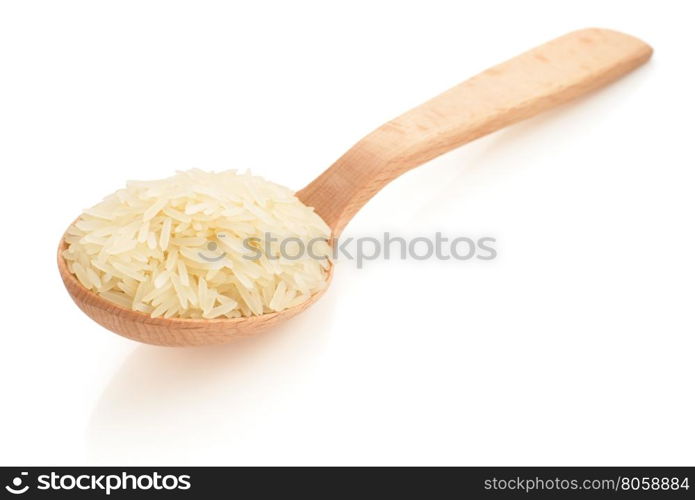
[[78, 290]]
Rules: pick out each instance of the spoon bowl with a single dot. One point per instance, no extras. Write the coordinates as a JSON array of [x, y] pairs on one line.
[[139, 326], [524, 86]]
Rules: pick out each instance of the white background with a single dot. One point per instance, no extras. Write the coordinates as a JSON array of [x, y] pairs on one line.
[[575, 346]]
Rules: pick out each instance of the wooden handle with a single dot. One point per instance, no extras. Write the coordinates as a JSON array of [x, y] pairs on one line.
[[524, 86]]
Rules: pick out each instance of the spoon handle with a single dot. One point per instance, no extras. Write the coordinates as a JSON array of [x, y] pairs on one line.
[[519, 88]]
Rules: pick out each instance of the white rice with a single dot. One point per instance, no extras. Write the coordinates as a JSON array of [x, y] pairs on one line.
[[181, 247]]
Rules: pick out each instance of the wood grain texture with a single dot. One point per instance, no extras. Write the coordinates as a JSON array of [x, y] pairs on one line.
[[535, 81], [544, 77]]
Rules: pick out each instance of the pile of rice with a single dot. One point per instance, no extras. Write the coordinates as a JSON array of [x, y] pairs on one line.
[[180, 247]]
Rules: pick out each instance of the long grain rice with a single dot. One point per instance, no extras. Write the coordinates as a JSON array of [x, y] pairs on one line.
[[180, 247]]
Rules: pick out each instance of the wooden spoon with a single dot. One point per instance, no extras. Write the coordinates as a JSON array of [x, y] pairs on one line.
[[524, 86]]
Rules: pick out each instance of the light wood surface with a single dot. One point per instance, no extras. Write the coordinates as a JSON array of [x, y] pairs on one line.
[[551, 74], [524, 86]]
